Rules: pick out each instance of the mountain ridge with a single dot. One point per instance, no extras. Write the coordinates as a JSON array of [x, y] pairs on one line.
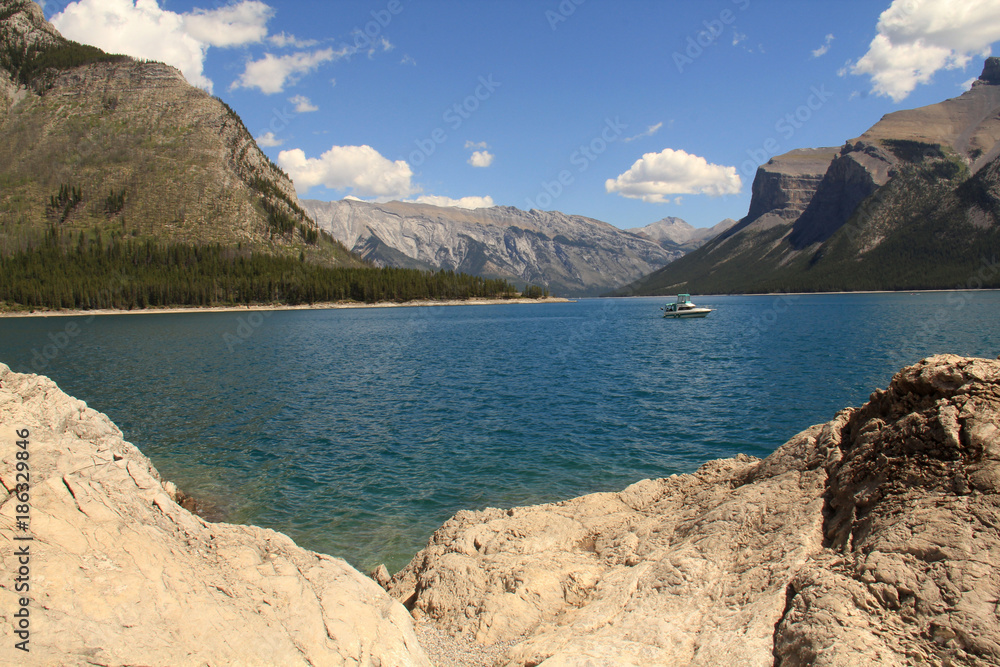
[[573, 255]]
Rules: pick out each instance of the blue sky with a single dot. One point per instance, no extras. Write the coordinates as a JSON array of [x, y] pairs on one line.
[[623, 111]]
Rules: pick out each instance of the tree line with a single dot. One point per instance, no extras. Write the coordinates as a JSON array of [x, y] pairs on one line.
[[128, 274]]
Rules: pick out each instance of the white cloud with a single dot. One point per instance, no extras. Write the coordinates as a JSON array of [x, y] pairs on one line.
[[303, 104], [650, 131], [407, 60], [967, 85], [916, 39], [481, 159], [245, 23], [480, 156], [272, 73], [268, 140], [821, 51], [144, 30], [464, 202], [360, 169], [738, 37], [674, 172], [281, 40], [381, 43]]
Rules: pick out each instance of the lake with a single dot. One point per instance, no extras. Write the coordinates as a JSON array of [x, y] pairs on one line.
[[358, 432]]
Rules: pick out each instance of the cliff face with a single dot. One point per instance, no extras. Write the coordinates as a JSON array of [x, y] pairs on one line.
[[572, 255], [869, 540], [151, 155], [783, 188], [885, 211], [122, 575]]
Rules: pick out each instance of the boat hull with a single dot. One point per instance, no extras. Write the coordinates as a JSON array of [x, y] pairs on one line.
[[690, 314]]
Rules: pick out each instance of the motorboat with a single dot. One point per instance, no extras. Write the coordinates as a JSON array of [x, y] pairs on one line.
[[683, 308]]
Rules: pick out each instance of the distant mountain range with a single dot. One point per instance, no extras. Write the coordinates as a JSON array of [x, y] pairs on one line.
[[570, 254], [678, 233], [912, 203]]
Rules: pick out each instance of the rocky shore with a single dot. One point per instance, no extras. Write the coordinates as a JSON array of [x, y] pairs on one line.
[[119, 574], [873, 539]]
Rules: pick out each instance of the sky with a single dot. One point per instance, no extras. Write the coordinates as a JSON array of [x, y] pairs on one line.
[[626, 111]]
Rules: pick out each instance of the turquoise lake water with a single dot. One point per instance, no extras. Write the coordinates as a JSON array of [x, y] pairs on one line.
[[358, 432]]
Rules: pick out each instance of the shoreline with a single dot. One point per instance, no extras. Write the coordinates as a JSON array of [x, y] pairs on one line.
[[336, 305]]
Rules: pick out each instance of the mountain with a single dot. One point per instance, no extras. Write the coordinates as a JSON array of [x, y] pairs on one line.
[[570, 254], [912, 203], [679, 233], [103, 147]]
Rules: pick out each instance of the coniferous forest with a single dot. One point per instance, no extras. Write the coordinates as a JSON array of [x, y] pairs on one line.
[[86, 273]]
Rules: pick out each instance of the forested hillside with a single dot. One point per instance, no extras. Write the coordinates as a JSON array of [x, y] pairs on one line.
[[128, 274]]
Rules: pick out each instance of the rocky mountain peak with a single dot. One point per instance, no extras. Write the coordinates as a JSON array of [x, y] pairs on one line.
[[991, 72], [23, 23]]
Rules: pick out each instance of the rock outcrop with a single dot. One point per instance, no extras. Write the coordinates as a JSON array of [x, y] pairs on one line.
[[873, 539], [570, 254], [119, 574], [783, 188]]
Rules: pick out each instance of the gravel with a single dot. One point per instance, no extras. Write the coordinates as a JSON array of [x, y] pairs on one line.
[[447, 651]]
